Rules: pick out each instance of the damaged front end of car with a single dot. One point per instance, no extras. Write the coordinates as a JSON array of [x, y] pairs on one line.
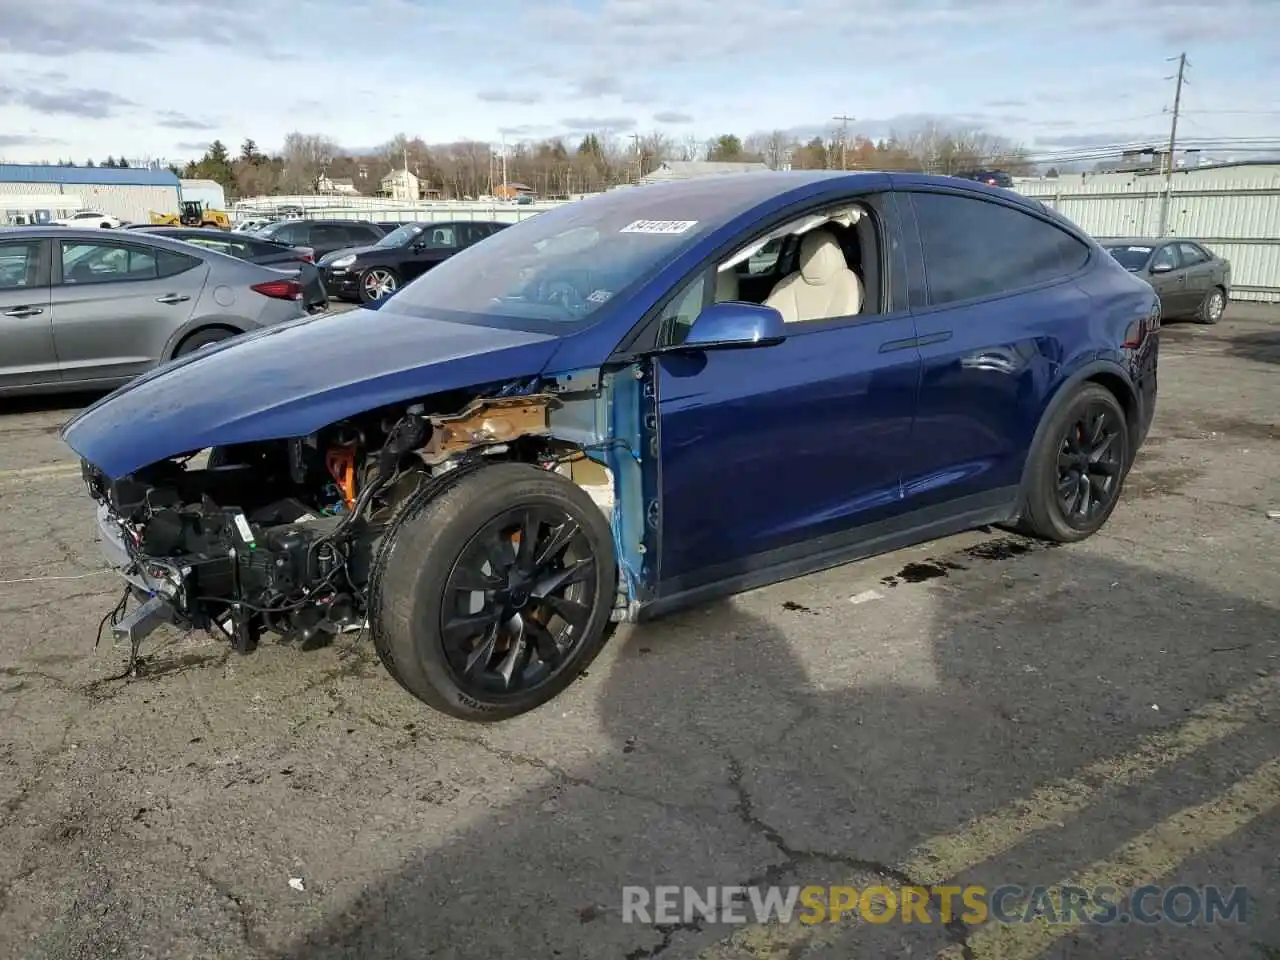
[[289, 536]]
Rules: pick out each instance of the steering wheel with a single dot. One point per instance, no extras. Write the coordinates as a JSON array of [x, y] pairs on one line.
[[560, 293]]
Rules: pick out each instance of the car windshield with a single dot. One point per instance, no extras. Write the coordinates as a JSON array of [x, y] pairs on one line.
[[1131, 258], [561, 266], [401, 235]]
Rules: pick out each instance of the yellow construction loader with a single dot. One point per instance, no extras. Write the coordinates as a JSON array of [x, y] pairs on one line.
[[193, 214]]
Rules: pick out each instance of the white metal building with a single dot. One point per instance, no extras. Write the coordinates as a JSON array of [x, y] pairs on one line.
[[129, 194], [1233, 209], [208, 192]]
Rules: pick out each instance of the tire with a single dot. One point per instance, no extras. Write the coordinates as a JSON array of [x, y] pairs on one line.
[[1212, 306], [1056, 463], [421, 591], [202, 338], [386, 276]]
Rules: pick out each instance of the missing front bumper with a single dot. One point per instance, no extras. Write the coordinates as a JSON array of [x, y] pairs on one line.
[[155, 612]]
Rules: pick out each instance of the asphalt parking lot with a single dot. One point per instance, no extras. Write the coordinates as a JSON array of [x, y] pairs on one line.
[[982, 710]]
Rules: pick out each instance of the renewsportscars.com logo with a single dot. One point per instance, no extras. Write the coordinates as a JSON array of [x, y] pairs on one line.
[[973, 905]]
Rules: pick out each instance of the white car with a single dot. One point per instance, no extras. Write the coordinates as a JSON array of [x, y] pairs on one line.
[[90, 218]]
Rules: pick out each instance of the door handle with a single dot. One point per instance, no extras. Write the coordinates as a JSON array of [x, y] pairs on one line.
[[172, 298], [23, 312]]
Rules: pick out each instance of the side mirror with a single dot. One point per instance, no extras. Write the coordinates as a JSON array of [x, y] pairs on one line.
[[723, 326], [1162, 268]]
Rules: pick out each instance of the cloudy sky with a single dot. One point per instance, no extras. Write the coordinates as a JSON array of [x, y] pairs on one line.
[[161, 78]]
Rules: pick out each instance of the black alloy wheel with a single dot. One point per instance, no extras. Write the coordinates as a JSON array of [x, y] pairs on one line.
[[495, 594], [1089, 465], [1077, 467], [518, 601]]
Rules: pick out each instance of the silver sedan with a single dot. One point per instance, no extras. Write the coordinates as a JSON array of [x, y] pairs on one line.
[[85, 309]]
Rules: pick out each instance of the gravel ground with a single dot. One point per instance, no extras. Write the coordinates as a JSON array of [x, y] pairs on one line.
[[991, 712]]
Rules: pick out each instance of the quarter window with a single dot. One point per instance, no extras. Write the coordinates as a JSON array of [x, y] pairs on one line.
[[977, 248]]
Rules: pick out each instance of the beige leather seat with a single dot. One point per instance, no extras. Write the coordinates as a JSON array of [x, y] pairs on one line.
[[726, 286], [823, 287]]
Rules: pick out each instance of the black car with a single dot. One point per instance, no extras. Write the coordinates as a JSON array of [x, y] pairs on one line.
[[1191, 281], [322, 236], [266, 253], [372, 273]]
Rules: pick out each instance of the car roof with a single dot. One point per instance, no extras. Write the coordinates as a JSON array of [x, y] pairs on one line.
[[135, 237], [1152, 242]]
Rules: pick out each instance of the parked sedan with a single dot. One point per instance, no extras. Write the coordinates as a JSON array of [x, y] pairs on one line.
[[91, 308], [264, 252], [1192, 282], [375, 272], [615, 409]]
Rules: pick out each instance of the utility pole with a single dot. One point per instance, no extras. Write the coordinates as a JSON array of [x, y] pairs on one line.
[[635, 139], [844, 140], [1167, 201], [505, 191]]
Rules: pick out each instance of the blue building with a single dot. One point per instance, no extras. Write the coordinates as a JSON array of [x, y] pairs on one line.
[[37, 193]]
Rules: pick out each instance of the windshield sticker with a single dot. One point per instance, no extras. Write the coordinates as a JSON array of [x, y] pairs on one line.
[[659, 226], [1139, 249], [599, 296]]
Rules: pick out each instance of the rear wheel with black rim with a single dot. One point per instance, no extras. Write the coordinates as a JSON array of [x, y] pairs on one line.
[[1078, 468], [497, 594]]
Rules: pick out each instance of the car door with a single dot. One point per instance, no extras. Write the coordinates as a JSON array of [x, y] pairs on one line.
[[772, 455], [27, 354], [115, 305], [436, 243], [1198, 268], [1169, 280], [996, 311]]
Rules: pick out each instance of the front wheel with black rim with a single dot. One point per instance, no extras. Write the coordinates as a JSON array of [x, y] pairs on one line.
[[378, 283], [1212, 306], [496, 594], [1078, 467]]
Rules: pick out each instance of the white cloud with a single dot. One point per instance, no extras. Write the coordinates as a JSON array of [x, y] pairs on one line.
[[85, 78]]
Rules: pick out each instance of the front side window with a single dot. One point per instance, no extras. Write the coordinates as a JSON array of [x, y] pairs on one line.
[[105, 263], [19, 264], [1166, 258], [976, 248]]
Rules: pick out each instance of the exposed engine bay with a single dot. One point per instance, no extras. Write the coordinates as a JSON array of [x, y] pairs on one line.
[[283, 536]]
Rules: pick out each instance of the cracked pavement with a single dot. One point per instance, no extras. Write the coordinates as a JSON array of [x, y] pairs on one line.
[[996, 712]]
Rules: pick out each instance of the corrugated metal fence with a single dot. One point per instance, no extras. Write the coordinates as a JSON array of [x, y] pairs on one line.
[[1234, 211]]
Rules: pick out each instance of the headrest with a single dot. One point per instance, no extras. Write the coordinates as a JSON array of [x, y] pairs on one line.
[[821, 259]]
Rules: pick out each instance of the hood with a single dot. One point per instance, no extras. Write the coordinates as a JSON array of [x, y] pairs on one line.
[[328, 258], [292, 379]]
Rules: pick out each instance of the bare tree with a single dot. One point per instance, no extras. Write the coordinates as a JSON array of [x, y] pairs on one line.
[[305, 157]]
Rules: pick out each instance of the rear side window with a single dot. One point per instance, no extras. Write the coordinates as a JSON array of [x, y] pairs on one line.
[[359, 233], [257, 248], [1192, 254], [19, 264], [291, 233], [976, 248]]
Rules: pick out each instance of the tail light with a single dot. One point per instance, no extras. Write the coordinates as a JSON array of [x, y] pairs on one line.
[[279, 289], [308, 258]]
